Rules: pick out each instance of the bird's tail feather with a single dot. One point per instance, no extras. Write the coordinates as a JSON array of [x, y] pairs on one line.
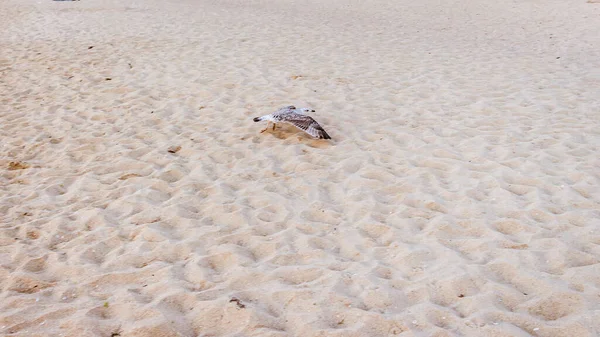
[[257, 119]]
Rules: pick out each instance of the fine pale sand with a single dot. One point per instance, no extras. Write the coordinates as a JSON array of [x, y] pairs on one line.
[[459, 195]]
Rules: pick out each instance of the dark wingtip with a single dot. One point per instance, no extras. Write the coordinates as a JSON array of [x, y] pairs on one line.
[[256, 119], [324, 135]]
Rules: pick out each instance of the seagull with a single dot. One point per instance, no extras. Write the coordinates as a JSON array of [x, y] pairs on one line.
[[296, 117]]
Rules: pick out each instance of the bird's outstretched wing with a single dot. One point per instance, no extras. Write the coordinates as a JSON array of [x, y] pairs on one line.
[[306, 124]]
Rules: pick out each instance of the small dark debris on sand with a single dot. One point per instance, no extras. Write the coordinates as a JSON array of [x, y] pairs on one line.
[[174, 149], [239, 303], [108, 79], [90, 47], [17, 165]]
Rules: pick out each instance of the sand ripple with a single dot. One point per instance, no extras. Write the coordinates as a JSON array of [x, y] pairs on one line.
[[459, 196]]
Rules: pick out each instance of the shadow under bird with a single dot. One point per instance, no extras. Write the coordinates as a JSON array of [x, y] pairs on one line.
[[298, 118]]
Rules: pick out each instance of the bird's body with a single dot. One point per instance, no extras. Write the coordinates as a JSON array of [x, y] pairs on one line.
[[297, 118]]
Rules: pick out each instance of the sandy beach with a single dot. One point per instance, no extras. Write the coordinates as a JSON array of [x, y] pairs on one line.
[[459, 195]]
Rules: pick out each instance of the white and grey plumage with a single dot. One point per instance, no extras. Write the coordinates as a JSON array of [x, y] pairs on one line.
[[296, 117]]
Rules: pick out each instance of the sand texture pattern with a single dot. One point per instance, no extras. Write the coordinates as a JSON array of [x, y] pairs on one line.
[[459, 196]]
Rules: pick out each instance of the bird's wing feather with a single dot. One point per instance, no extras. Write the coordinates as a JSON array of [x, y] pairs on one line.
[[306, 124]]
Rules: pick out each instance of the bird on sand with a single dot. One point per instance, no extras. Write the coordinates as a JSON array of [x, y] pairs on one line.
[[298, 118]]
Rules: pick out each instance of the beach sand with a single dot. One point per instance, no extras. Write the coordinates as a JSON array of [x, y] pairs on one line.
[[459, 195]]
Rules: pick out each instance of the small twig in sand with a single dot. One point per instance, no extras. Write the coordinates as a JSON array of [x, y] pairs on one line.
[[239, 303]]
